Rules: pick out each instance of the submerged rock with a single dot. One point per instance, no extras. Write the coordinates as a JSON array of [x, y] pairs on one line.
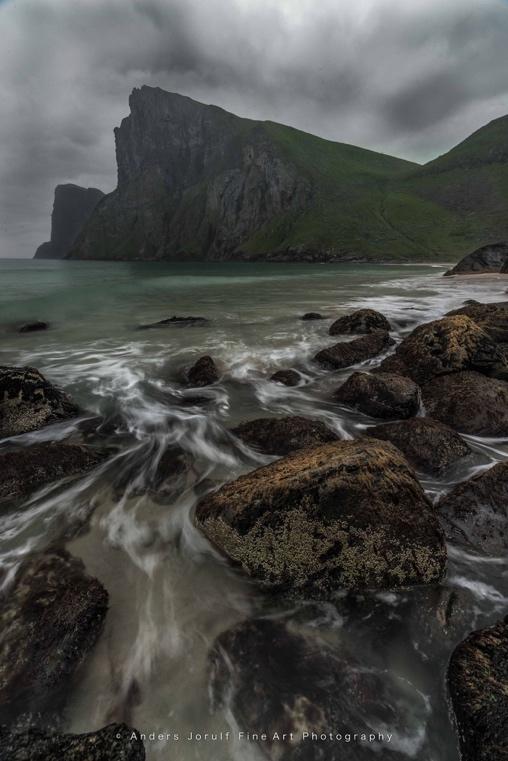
[[477, 680], [383, 395], [176, 321], [116, 742], [276, 680], [348, 353], [492, 318], [476, 511], [286, 377], [203, 372], [279, 436], [345, 515], [49, 620], [28, 401], [32, 327], [361, 321], [428, 445], [312, 316], [24, 470], [490, 258], [444, 346], [469, 402]]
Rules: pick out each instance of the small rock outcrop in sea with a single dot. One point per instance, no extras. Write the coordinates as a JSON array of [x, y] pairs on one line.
[[116, 742], [278, 680], [28, 401], [469, 402], [24, 470], [477, 679], [490, 258], [49, 620], [33, 327], [286, 377], [346, 515], [279, 436], [361, 321], [429, 446], [203, 372], [444, 346], [348, 353], [475, 512], [72, 208], [492, 318], [312, 316], [175, 321], [383, 395]]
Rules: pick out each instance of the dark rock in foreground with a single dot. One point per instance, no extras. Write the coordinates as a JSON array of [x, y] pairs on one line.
[[176, 321], [428, 445], [477, 681], [279, 436], [492, 318], [469, 402], [475, 512], [24, 470], [348, 353], [112, 743], [33, 327], [276, 680], [312, 316], [361, 321], [203, 372], [490, 258], [286, 377], [49, 620], [383, 395], [28, 401], [72, 208], [345, 515], [446, 346]]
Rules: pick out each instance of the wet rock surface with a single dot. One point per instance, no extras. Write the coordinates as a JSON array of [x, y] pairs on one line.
[[24, 470], [275, 679], [286, 377], [348, 353], [279, 436], [28, 401], [477, 679], [203, 372], [492, 318], [312, 316], [175, 321], [361, 321], [490, 258], [345, 515], [468, 402], [50, 619], [448, 345], [475, 512], [383, 395], [33, 327], [429, 446], [112, 743]]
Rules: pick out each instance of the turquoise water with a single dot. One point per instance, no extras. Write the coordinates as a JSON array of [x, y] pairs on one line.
[[170, 594]]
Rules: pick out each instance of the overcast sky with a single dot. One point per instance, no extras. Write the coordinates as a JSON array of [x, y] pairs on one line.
[[407, 77]]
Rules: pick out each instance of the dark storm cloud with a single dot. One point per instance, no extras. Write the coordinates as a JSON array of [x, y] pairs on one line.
[[409, 78]]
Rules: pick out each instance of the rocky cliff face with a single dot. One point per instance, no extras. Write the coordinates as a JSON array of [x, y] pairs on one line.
[[193, 181], [72, 208]]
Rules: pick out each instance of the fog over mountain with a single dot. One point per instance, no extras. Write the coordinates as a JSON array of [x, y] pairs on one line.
[[409, 79]]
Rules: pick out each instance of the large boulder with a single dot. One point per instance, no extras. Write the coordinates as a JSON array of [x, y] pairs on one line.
[[116, 742], [203, 372], [348, 353], [28, 401], [345, 515], [444, 346], [477, 681], [383, 395], [361, 321], [490, 258], [49, 620], [429, 446], [468, 402], [23, 470], [475, 512], [279, 436], [286, 377], [493, 318], [276, 680]]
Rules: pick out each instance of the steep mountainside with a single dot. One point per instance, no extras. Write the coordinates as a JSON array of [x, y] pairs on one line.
[[197, 182], [72, 208]]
